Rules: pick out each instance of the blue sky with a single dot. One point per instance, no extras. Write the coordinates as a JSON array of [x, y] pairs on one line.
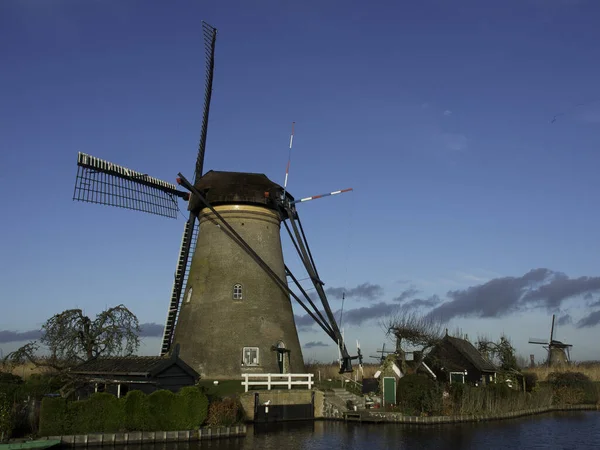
[[438, 114]]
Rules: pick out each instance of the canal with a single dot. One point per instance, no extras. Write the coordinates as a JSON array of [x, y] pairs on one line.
[[557, 430]]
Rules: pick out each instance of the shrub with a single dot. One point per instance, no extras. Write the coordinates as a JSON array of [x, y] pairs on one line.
[[9, 378], [570, 388], [10, 385], [192, 408], [101, 412], [54, 417], [419, 395], [225, 412], [6, 417], [136, 412], [38, 385], [161, 409]]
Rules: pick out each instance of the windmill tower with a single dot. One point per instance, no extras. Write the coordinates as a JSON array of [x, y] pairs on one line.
[[230, 310], [558, 352]]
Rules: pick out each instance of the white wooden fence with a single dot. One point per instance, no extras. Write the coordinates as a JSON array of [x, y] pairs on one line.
[[277, 379]]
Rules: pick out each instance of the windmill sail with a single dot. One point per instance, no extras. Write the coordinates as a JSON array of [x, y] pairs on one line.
[[190, 231], [210, 39], [106, 183], [180, 281]]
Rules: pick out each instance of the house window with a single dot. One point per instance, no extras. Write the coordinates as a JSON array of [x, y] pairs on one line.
[[457, 377], [250, 356], [237, 291]]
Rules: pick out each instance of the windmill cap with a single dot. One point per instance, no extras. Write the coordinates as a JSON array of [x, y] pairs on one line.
[[222, 188]]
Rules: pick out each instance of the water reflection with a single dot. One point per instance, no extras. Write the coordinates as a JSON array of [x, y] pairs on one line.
[[569, 430]]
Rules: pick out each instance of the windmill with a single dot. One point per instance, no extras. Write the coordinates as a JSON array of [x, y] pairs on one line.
[[383, 355], [558, 352], [230, 310]]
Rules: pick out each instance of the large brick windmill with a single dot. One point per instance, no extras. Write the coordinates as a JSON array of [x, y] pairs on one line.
[[230, 310]]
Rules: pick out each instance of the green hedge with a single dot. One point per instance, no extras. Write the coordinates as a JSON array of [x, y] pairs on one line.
[[136, 410], [191, 403], [54, 417], [102, 412]]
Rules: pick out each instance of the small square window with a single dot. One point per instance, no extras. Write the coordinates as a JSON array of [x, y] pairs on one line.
[[250, 356], [237, 292], [457, 377]]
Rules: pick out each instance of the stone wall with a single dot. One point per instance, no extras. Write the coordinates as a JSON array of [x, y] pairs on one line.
[[374, 415], [280, 397], [148, 437], [333, 408]]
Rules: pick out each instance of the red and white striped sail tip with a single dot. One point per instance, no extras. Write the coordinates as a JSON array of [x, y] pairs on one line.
[[314, 197], [292, 135]]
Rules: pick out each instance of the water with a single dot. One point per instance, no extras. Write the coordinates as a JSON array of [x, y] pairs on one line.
[[568, 430]]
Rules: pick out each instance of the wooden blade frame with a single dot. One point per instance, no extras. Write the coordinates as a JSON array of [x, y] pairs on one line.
[[102, 182], [191, 230]]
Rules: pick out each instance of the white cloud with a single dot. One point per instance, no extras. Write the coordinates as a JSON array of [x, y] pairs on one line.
[[447, 112]]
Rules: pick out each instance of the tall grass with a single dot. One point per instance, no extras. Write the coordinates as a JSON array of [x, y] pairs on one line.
[[590, 369], [497, 399], [24, 370]]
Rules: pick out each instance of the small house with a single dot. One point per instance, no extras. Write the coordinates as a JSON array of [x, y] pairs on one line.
[[392, 369], [118, 375], [457, 360]]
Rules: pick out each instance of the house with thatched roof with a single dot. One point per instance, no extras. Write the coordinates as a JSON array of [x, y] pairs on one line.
[[457, 360]]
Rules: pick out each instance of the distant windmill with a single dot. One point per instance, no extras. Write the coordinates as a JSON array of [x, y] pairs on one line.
[[558, 352], [384, 354]]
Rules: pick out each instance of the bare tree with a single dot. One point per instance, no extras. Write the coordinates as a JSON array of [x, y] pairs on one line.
[[415, 330], [501, 353], [72, 337]]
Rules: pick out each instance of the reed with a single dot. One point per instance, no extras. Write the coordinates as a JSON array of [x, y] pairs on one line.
[[23, 370], [589, 368], [498, 399]]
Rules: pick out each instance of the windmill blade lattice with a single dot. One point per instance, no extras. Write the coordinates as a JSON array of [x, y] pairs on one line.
[[210, 39], [179, 282], [102, 182], [191, 228]]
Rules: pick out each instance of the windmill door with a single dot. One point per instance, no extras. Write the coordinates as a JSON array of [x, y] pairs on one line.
[[281, 357], [389, 391]]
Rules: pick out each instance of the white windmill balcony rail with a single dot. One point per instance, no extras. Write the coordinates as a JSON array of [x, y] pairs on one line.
[[277, 379]]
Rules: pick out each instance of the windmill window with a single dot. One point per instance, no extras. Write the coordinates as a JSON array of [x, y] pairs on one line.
[[237, 291], [250, 356]]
